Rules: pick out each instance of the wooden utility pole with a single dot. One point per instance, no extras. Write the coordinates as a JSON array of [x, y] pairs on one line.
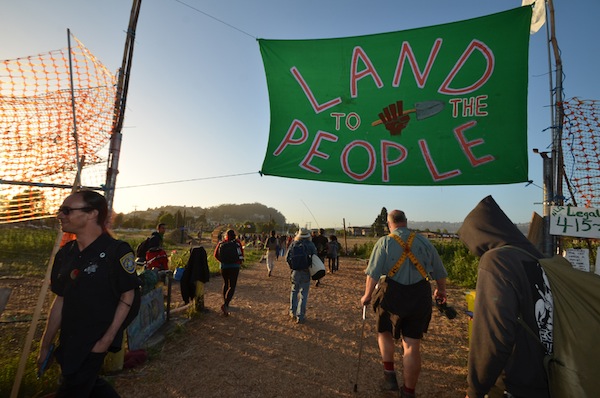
[[345, 237]]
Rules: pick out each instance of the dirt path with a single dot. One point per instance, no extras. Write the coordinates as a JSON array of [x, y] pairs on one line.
[[258, 352]]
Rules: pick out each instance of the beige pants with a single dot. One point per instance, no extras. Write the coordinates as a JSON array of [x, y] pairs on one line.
[[271, 256]]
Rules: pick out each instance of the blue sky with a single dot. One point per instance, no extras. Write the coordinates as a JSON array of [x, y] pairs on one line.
[[198, 105]]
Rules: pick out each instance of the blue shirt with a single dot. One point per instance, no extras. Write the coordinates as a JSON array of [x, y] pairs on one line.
[[387, 252]]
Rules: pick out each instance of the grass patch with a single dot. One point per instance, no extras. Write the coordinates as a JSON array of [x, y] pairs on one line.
[[25, 251], [31, 386]]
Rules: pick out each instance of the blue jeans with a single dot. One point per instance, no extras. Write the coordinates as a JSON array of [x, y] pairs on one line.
[[300, 285]]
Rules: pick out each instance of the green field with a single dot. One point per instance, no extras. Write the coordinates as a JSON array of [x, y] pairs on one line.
[[26, 251]]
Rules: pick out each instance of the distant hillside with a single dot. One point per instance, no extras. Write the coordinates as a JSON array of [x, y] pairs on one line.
[[257, 212], [222, 214]]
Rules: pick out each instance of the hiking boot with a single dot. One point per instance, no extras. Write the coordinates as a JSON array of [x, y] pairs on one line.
[[390, 383], [318, 283], [300, 321], [406, 394], [269, 274]]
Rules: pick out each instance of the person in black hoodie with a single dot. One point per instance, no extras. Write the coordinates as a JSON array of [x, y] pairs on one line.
[[511, 288]]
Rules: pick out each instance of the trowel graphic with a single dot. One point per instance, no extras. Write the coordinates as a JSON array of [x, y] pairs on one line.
[[395, 118]]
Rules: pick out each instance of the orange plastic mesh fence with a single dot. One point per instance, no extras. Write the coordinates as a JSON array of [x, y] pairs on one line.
[[37, 141], [581, 150]]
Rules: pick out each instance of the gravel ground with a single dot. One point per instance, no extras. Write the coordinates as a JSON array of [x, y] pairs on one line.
[[258, 352]]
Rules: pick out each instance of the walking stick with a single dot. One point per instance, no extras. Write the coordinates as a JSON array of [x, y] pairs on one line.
[[360, 346]]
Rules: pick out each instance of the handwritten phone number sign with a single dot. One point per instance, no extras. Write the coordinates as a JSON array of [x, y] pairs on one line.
[[575, 221]]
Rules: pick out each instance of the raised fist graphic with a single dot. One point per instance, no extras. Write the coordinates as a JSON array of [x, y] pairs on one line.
[[394, 119]]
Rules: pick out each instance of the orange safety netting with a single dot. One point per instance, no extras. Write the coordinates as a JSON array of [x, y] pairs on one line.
[[37, 140], [581, 150]]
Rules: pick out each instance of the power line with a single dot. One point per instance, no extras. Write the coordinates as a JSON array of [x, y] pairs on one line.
[[180, 181], [216, 19], [313, 216]]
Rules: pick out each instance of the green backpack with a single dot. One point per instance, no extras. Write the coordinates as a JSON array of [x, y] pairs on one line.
[[572, 368]]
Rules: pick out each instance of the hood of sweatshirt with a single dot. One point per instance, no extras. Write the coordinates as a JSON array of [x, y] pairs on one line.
[[487, 227]]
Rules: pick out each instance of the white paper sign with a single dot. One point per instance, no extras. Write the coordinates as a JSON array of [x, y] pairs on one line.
[[575, 221], [579, 259]]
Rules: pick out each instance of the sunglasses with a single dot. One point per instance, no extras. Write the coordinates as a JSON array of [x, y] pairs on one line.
[[66, 210]]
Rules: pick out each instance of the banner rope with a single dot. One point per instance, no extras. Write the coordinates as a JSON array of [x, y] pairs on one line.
[[216, 19], [189, 180]]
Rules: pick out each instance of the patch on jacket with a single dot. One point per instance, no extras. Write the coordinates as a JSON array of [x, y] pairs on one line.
[[128, 263]]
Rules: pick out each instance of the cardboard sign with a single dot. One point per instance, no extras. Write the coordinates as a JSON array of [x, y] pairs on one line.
[[575, 221], [579, 259]]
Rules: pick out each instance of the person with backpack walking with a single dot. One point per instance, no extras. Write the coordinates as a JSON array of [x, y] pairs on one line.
[[155, 240], [157, 237], [299, 259], [320, 241], [272, 246], [282, 246], [408, 261], [333, 254], [512, 288], [230, 253], [94, 280], [150, 252]]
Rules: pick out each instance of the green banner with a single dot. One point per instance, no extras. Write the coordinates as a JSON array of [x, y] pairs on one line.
[[441, 105]]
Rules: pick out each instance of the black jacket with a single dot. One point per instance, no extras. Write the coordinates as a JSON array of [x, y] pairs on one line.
[[195, 270]]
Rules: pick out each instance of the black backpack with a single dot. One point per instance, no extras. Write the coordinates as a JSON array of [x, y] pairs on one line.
[[228, 252], [142, 248], [272, 243], [299, 258]]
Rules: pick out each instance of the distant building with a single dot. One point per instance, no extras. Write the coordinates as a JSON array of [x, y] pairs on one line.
[[438, 235], [359, 231], [429, 235]]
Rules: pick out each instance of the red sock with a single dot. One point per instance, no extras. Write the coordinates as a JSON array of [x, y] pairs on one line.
[[388, 366], [408, 390]]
